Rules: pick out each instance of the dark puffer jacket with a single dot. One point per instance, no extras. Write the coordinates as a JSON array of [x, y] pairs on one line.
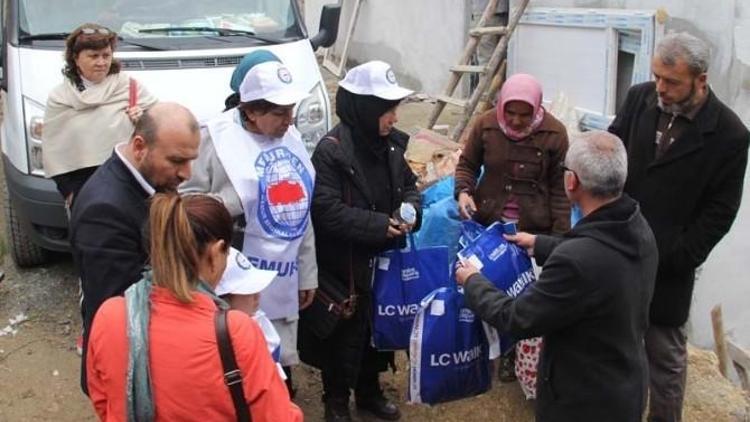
[[350, 231], [338, 225]]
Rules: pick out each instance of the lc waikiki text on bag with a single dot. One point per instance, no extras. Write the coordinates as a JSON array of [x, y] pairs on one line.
[[402, 278], [449, 354]]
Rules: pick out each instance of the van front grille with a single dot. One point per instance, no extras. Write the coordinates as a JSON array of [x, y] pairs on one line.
[[186, 63]]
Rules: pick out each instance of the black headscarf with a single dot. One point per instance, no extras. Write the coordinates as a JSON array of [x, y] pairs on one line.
[[362, 113]]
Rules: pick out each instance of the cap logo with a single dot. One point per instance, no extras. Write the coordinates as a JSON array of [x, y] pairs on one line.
[[242, 262], [284, 75], [390, 76]]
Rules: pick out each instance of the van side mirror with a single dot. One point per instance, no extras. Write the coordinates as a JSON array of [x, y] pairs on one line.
[[329, 26], [3, 48], [3, 80]]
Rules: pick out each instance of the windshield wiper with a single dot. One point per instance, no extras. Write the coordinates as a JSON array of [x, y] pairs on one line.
[[44, 36], [138, 43], [224, 32]]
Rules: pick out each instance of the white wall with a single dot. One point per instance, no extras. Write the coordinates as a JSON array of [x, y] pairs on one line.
[[725, 24], [421, 39]]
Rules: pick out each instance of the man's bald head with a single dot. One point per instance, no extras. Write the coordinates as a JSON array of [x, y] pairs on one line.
[[165, 141], [163, 115]]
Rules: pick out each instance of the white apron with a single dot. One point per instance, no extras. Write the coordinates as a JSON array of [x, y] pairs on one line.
[[274, 179]]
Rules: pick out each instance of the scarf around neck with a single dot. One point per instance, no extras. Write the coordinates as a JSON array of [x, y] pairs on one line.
[[140, 398]]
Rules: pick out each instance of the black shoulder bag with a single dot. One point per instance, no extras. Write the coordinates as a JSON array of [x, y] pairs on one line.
[[333, 300], [232, 374]]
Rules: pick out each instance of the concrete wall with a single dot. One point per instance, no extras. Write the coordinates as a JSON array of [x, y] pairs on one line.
[[421, 39], [725, 24]]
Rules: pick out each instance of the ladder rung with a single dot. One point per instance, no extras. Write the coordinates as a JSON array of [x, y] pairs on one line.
[[488, 30], [451, 100], [467, 69]]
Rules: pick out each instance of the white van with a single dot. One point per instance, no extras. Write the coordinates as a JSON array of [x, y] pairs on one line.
[[181, 50]]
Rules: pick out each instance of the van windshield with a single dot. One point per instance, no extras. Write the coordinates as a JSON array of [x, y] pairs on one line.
[[149, 18]]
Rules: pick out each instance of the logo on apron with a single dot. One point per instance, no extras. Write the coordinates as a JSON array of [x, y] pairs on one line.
[[285, 188]]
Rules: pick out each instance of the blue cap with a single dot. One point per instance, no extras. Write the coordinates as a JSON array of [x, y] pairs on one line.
[[247, 63]]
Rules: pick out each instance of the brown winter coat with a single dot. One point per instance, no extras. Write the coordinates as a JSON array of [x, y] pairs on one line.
[[531, 169]]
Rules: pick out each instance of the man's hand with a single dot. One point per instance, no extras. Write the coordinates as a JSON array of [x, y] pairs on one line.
[[466, 205], [524, 240], [464, 270], [395, 229], [305, 298]]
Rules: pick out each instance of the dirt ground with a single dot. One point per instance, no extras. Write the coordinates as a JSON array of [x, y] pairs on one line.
[[39, 369]]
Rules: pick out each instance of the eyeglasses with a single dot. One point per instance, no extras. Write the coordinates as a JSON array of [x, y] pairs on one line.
[[92, 31]]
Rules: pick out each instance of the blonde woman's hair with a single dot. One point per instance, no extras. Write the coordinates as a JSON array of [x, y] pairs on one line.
[[180, 229]]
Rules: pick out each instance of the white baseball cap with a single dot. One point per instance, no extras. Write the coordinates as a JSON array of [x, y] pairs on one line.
[[270, 81], [241, 277], [374, 78]]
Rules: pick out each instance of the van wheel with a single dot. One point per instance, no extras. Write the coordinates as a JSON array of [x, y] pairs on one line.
[[25, 253]]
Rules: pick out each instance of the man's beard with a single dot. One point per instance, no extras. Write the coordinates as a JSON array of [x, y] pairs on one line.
[[681, 107], [147, 171]]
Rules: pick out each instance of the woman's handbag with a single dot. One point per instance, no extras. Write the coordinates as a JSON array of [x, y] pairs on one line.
[[333, 301], [232, 374]]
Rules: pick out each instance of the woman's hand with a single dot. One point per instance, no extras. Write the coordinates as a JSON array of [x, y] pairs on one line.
[[395, 229], [524, 240], [464, 270], [134, 113], [466, 205], [305, 298]]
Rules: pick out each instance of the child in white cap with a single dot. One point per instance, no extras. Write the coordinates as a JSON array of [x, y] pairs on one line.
[[241, 286]]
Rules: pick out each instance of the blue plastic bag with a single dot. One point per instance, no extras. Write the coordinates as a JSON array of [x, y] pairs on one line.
[[504, 264], [441, 225], [442, 189], [403, 277], [449, 353]]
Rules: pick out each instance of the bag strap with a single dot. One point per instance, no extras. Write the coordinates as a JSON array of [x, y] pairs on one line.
[[347, 187], [232, 374], [132, 93]]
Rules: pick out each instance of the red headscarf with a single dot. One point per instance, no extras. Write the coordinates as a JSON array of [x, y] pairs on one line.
[[520, 87]]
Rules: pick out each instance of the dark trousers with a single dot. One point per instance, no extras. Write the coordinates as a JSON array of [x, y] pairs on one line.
[[336, 387], [351, 362], [666, 348]]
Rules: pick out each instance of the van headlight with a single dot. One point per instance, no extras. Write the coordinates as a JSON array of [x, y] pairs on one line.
[[34, 121], [312, 117]]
